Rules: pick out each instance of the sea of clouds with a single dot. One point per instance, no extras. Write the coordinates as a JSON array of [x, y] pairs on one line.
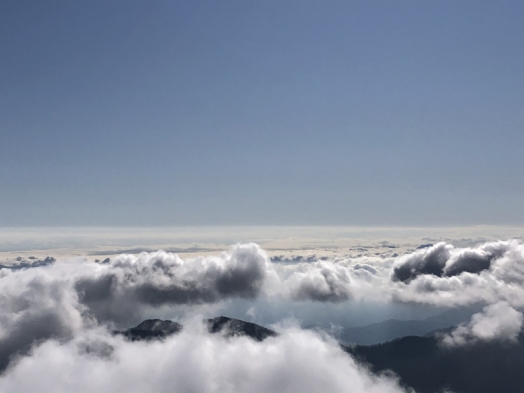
[[57, 318]]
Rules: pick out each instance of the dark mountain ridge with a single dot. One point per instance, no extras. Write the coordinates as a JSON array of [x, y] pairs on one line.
[[425, 365], [421, 363], [393, 328], [230, 327], [151, 329]]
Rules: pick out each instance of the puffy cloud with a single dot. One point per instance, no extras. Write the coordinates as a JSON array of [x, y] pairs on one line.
[[428, 260], [496, 322], [160, 278], [320, 281], [56, 300], [193, 361], [443, 259], [487, 274], [35, 306]]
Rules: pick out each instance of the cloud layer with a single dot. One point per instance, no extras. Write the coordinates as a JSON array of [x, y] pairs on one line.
[[55, 301], [53, 309], [160, 278], [193, 361]]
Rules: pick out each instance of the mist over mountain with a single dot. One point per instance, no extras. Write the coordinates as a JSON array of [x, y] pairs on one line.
[[76, 315], [228, 327], [393, 328], [422, 363]]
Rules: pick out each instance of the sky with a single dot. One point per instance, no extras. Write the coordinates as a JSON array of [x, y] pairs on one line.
[[261, 113]]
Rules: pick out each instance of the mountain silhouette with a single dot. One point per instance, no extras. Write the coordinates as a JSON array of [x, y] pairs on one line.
[[235, 327], [425, 365], [229, 327], [391, 329], [151, 329], [420, 362]]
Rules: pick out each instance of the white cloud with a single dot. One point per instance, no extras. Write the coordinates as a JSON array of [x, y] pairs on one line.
[[496, 322], [192, 361], [501, 277], [61, 299]]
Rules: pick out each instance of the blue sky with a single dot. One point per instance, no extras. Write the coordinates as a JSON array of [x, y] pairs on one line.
[[267, 113]]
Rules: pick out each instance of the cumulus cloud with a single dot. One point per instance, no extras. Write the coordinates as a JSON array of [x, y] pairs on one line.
[[160, 278], [59, 299], [320, 281], [193, 361], [35, 306], [428, 260], [498, 322], [56, 300], [489, 273], [443, 259]]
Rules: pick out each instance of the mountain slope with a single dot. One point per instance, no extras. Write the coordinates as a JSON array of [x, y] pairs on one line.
[[235, 327], [230, 327], [422, 363], [391, 329], [151, 329]]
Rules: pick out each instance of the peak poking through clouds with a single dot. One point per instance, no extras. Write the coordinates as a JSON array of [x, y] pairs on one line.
[[193, 361], [50, 311]]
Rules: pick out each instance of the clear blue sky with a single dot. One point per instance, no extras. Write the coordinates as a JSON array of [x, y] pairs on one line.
[[261, 112]]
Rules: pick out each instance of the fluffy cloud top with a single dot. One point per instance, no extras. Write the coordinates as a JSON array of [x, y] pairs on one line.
[[320, 281], [193, 361], [160, 278], [496, 322], [445, 260], [446, 276], [59, 300]]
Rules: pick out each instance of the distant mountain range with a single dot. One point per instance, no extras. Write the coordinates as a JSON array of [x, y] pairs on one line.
[[393, 328], [420, 362]]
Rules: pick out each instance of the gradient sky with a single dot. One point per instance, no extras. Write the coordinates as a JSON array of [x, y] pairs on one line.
[[271, 112]]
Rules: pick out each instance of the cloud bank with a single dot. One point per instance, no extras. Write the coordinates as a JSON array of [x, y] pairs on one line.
[[160, 278], [50, 311], [193, 361]]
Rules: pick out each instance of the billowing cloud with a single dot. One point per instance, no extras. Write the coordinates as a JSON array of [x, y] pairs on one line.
[[490, 273], [35, 306], [320, 281], [443, 259], [59, 299], [160, 278], [496, 322], [428, 260], [192, 361]]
